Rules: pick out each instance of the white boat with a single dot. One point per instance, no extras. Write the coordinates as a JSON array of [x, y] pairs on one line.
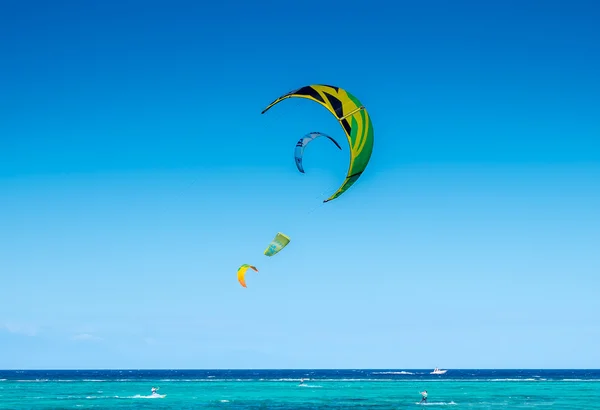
[[438, 371]]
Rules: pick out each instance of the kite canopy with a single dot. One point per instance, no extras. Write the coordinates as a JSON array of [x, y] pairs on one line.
[[303, 142], [277, 244], [353, 118], [241, 273]]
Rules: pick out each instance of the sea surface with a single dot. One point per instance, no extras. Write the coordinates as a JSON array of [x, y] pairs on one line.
[[281, 389]]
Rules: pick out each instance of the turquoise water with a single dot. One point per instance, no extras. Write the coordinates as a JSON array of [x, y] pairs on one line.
[[281, 389]]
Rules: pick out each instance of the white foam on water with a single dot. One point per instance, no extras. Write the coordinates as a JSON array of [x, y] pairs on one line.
[[150, 396], [436, 403], [580, 380]]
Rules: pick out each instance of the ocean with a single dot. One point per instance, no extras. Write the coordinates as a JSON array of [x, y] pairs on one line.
[[281, 389]]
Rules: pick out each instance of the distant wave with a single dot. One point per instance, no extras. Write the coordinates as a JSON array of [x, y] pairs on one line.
[[65, 380], [513, 380], [319, 379]]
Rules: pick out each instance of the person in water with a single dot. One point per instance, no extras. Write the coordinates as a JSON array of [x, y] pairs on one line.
[[301, 382], [154, 390], [424, 394]]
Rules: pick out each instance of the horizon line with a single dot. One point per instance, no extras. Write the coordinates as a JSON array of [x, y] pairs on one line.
[[290, 368]]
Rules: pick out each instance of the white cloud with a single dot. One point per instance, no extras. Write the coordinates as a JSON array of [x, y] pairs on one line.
[[86, 337], [20, 329]]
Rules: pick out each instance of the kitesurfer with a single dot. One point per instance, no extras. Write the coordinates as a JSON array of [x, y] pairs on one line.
[[154, 390], [424, 394]]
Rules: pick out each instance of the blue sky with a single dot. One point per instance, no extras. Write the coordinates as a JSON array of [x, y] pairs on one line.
[[137, 174]]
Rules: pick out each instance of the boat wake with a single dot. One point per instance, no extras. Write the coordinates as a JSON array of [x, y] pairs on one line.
[[438, 403]]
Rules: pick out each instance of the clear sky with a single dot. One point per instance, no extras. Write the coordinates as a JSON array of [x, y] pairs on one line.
[[137, 174]]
